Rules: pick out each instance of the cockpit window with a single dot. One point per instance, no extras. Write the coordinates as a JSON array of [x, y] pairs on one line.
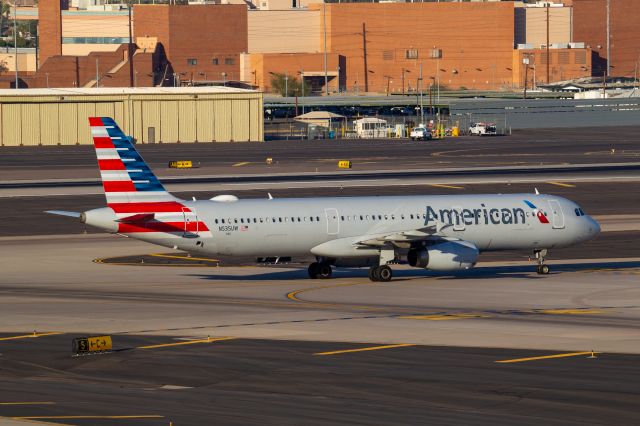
[[577, 212], [580, 212]]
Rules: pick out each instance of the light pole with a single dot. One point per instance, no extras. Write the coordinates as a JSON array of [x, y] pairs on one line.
[[525, 61], [15, 38], [224, 78], [97, 73], [47, 77], [286, 84], [420, 88]]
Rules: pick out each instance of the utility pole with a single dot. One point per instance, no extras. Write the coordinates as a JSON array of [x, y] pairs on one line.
[[324, 23], [421, 104], [608, 37], [130, 47], [548, 56], [286, 84], [15, 40], [364, 52], [402, 81], [526, 76], [302, 97]]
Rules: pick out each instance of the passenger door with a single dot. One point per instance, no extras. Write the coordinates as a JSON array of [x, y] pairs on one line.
[[333, 221], [557, 216], [191, 224]]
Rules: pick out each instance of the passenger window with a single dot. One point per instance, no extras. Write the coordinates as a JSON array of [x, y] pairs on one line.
[[411, 216], [386, 217], [241, 220], [361, 218], [222, 220], [216, 221], [260, 220], [235, 220], [577, 212], [279, 219], [317, 218], [379, 217]]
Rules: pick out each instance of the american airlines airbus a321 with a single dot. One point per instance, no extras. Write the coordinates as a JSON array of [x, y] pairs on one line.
[[439, 233]]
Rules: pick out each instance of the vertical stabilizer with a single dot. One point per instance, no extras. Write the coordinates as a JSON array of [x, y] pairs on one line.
[[126, 178]]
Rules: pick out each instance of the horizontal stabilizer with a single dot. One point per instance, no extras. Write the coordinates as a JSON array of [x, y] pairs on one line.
[[64, 213], [142, 217]]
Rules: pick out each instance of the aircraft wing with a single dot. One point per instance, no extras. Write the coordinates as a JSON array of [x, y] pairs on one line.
[[396, 238]]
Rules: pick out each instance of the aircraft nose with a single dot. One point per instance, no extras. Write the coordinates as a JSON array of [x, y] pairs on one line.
[[594, 227]]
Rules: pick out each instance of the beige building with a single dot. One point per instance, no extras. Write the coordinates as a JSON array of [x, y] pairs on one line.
[[284, 31], [34, 117], [84, 32], [26, 60], [531, 25]]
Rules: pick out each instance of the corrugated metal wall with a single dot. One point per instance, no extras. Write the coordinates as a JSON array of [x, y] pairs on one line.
[[55, 120]]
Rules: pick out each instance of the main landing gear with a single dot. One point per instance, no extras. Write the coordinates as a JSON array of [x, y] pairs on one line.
[[381, 273], [320, 270], [541, 269]]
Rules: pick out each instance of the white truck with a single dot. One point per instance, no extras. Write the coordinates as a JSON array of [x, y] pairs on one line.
[[420, 133], [483, 129]]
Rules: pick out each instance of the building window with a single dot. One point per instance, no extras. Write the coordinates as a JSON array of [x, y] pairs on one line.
[[387, 55], [214, 61], [229, 61], [192, 61], [411, 54]]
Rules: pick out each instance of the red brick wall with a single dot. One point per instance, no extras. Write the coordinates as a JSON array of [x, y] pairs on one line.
[[76, 71], [50, 28], [200, 32], [589, 18], [476, 40]]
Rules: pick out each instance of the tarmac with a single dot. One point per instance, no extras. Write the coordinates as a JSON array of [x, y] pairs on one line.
[[209, 341]]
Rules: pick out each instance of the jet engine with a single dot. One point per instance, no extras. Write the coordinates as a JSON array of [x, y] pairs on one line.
[[444, 256]]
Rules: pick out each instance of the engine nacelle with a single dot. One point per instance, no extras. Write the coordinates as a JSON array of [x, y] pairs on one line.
[[445, 256]]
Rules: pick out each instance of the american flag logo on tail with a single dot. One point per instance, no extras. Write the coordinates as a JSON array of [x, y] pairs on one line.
[[132, 190]]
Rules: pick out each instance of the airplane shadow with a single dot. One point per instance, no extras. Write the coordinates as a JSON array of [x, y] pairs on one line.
[[481, 272]]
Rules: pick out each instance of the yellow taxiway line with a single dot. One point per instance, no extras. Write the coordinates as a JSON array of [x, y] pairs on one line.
[[440, 185], [444, 317], [370, 348], [244, 163], [184, 257], [536, 358], [566, 185], [30, 336], [190, 342]]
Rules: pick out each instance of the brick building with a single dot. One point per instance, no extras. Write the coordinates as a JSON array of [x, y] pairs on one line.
[[201, 42], [590, 26]]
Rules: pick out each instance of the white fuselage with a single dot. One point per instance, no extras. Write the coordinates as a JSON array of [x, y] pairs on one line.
[[329, 227]]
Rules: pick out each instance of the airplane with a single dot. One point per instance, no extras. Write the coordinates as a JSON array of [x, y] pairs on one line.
[[435, 232]]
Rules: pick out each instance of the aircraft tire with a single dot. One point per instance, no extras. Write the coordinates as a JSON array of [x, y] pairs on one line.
[[543, 269], [384, 273], [324, 271], [313, 270], [372, 273]]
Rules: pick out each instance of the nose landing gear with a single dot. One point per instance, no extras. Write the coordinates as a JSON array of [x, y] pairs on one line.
[[320, 270], [541, 269]]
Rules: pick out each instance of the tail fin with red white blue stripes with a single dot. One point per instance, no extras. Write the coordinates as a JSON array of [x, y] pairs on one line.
[[126, 178]]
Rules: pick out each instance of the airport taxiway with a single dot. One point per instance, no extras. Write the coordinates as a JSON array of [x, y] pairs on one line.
[[421, 349]]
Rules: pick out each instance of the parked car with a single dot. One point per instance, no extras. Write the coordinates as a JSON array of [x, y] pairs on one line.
[[482, 129], [420, 133]]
